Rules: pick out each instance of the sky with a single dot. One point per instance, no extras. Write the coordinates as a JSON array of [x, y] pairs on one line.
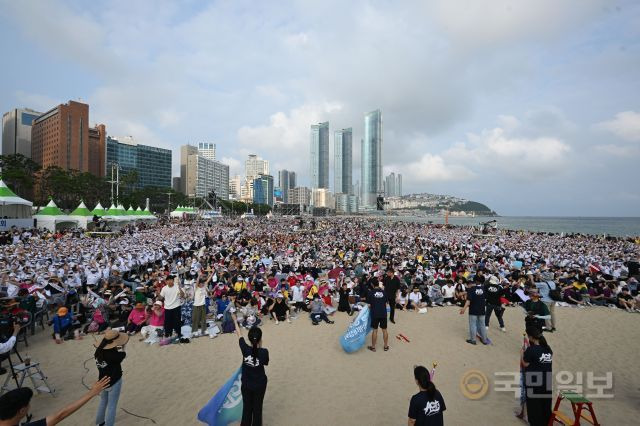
[[531, 107]]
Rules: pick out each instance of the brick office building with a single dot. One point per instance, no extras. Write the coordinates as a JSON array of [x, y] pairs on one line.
[[60, 137]]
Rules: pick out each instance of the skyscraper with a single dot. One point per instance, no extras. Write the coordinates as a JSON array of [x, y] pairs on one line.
[[343, 148], [263, 190], [320, 155], [207, 150], [371, 167], [16, 131], [284, 183], [292, 180], [390, 185]]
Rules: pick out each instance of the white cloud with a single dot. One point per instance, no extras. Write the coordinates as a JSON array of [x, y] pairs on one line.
[[433, 168], [286, 138], [494, 151], [625, 125], [622, 151], [36, 101], [236, 167]]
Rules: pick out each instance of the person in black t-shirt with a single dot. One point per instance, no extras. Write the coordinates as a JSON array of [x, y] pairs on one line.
[[279, 309], [14, 406], [391, 288], [109, 355], [427, 406], [538, 381], [254, 378], [476, 304], [494, 292], [378, 301]]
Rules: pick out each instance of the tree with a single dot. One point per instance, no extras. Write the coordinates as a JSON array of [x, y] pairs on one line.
[[19, 172]]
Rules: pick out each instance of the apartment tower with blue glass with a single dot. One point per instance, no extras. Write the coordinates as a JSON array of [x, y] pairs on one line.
[[319, 168], [371, 165]]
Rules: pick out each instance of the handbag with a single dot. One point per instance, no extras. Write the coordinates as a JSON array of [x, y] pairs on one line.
[[555, 293]]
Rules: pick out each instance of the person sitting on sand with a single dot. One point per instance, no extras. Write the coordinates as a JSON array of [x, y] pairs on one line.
[[449, 293], [415, 300], [155, 321], [572, 296], [136, 320], [435, 295], [402, 301], [63, 326], [625, 300], [280, 310], [460, 292], [317, 311]]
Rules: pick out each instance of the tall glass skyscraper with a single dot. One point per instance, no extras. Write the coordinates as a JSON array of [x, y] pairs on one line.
[[343, 148], [371, 167], [320, 155]]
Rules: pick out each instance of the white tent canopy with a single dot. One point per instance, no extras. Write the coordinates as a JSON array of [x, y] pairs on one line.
[[82, 215], [12, 206], [51, 217]]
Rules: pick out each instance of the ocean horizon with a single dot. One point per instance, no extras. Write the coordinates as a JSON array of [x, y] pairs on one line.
[[612, 226]]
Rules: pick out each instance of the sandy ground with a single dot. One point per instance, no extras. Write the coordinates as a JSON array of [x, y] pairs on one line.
[[313, 382]]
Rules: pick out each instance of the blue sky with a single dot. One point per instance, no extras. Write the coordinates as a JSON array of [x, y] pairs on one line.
[[530, 107]]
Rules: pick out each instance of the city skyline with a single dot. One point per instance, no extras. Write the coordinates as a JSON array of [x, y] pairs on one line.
[[506, 98]]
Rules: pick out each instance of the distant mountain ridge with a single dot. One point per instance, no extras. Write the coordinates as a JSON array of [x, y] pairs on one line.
[[439, 204]]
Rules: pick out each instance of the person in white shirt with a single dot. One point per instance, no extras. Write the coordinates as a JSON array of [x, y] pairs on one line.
[[297, 297], [171, 295], [449, 293], [199, 315], [10, 343], [415, 299]]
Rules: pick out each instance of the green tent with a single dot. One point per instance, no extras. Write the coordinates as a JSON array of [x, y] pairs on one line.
[[81, 210], [50, 210], [98, 210]]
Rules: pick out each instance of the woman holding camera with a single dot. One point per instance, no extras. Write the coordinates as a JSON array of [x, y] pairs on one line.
[[109, 355]]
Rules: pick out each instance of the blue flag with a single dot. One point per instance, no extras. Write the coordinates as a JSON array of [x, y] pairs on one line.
[[226, 405], [356, 335]]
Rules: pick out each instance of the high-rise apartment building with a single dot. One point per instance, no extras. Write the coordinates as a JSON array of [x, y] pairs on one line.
[[207, 150], [343, 164], [322, 197], [346, 203], [393, 185], [235, 187], [255, 166], [319, 169], [199, 175], [300, 195], [16, 131], [371, 165], [97, 150], [263, 190], [285, 179], [292, 180], [152, 164], [60, 137]]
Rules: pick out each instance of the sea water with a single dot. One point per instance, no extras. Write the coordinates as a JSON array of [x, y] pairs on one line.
[[615, 226]]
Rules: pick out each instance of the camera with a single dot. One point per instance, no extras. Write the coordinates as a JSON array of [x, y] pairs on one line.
[[7, 320]]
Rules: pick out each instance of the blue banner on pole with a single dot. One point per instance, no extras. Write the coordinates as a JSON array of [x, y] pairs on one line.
[[226, 405], [356, 335]]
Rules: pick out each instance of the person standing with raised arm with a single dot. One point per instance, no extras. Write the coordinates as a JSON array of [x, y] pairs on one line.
[[254, 378]]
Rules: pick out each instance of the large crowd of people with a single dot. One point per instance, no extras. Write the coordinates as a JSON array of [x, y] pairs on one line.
[[172, 282]]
